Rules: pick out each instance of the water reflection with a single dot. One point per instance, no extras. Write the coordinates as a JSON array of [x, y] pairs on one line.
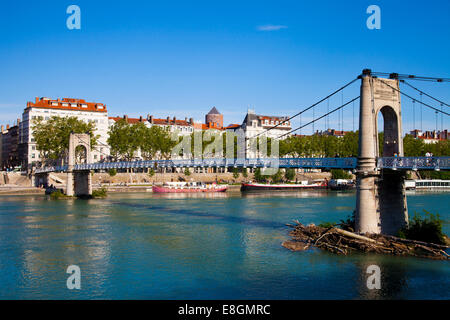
[[393, 277], [205, 246]]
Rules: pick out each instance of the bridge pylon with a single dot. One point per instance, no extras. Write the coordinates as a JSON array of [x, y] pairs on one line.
[[79, 183], [380, 198]]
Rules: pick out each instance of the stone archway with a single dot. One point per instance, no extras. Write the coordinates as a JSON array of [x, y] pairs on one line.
[[79, 140], [79, 182], [391, 143]]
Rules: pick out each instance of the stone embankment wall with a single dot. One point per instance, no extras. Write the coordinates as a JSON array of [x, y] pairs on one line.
[[144, 178], [14, 178]]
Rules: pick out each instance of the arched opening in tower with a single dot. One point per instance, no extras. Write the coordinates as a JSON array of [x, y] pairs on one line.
[[388, 139]]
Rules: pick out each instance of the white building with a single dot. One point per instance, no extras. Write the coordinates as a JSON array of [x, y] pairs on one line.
[[66, 107], [255, 126]]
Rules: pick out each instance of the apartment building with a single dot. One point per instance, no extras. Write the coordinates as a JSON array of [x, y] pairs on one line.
[[255, 125], [45, 108]]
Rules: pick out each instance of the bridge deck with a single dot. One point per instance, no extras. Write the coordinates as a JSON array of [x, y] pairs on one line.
[[395, 163]]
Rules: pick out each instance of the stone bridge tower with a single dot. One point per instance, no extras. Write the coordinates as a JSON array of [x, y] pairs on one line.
[[79, 182], [380, 199]]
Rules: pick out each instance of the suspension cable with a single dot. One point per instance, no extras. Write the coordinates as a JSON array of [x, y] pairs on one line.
[[423, 103], [323, 116], [310, 107], [426, 94], [409, 76]]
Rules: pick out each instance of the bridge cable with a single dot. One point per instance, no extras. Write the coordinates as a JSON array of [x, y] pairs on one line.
[[410, 77], [328, 119], [342, 112], [310, 107], [323, 116], [421, 113], [426, 94], [423, 103], [353, 111]]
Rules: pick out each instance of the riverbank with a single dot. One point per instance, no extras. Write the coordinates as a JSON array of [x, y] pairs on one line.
[[18, 183], [13, 189]]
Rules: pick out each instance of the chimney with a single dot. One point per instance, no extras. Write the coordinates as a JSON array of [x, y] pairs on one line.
[[7, 127], [3, 128], [150, 119], [18, 121], [174, 120], [125, 117], [140, 119], [191, 121], [37, 99], [185, 119], [168, 119]]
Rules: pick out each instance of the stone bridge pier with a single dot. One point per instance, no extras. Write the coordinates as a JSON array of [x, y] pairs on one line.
[[79, 183], [39, 179], [380, 194]]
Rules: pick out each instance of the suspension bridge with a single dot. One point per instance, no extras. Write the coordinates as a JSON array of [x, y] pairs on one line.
[[380, 199]]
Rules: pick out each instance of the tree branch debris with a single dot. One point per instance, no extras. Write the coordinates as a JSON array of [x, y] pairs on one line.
[[340, 241]]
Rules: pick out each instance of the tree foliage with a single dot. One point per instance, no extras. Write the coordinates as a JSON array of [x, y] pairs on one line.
[[347, 146], [126, 139], [320, 146], [290, 174], [426, 228], [52, 136]]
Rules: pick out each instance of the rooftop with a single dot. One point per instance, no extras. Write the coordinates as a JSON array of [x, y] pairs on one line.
[[67, 104]]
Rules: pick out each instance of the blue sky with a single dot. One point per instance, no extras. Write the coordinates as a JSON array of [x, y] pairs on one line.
[[180, 58]]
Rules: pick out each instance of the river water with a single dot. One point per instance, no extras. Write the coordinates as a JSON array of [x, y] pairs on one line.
[[216, 246]]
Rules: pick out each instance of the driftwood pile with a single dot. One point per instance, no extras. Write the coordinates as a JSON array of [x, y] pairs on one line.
[[340, 241]]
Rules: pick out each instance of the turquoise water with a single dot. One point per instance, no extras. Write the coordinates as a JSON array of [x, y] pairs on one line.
[[218, 246]]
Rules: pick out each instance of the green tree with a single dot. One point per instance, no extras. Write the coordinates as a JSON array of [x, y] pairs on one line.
[[426, 228], [290, 174], [340, 174], [155, 140], [124, 140], [413, 147], [277, 177], [235, 173], [350, 143], [52, 136], [258, 176]]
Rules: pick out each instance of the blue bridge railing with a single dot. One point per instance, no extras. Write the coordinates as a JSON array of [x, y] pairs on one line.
[[395, 163]]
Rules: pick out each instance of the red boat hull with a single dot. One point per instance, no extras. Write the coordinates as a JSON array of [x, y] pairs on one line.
[[183, 190], [268, 187]]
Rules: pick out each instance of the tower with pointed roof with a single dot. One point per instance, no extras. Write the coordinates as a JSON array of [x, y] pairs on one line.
[[214, 118]]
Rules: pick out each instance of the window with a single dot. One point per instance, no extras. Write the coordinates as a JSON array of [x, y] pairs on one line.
[[33, 156]]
